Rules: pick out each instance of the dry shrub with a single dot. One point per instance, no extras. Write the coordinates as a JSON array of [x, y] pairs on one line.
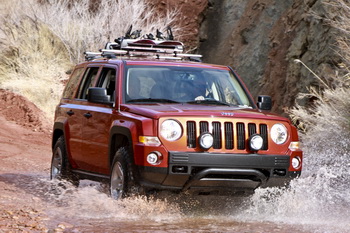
[[88, 25], [326, 125], [332, 102], [41, 40], [34, 62]]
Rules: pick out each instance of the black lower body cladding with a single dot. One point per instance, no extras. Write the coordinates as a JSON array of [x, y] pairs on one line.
[[214, 171]]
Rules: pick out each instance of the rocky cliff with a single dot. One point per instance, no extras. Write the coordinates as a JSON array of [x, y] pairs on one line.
[[262, 38]]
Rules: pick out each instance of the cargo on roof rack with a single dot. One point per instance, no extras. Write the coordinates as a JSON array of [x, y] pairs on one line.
[[143, 48]]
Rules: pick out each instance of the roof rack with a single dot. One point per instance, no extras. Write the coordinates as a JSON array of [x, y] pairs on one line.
[[160, 48]]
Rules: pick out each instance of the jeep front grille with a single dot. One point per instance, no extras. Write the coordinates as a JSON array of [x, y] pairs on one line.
[[226, 135]]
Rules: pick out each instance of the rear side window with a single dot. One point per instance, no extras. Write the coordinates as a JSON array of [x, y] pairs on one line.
[[88, 81], [72, 84]]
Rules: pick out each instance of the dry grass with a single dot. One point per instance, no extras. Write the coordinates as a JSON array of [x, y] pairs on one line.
[[332, 103], [34, 62], [41, 42], [326, 125], [80, 28]]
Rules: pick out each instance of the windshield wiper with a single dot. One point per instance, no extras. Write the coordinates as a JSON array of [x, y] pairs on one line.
[[151, 100], [208, 101]]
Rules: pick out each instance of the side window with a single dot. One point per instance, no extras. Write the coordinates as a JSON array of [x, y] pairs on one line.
[[72, 84], [107, 80], [88, 81]]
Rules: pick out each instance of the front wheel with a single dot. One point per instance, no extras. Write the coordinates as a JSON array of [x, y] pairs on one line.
[[121, 177]]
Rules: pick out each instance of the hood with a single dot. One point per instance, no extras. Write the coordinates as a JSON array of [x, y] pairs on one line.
[[156, 111]]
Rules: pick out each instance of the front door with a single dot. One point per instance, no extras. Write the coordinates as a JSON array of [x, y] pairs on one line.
[[96, 125]]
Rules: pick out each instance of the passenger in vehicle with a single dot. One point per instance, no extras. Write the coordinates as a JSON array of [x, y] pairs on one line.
[[134, 88]]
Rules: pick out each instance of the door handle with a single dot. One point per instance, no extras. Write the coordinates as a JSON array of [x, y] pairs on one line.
[[88, 115], [70, 112]]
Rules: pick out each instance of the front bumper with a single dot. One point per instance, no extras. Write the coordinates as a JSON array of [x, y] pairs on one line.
[[214, 171]]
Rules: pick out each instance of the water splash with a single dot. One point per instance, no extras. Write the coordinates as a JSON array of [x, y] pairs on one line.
[[320, 199], [90, 201]]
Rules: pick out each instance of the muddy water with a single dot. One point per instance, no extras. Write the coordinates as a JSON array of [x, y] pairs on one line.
[[319, 201], [89, 209], [314, 203]]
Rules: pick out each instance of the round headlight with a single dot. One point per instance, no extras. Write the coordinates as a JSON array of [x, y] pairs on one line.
[[206, 140], [279, 133], [170, 130], [256, 142]]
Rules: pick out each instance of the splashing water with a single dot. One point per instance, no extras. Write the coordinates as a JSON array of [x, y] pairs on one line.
[[320, 199], [91, 201]]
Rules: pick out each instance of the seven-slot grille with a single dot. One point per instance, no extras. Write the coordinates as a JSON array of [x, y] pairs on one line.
[[234, 134]]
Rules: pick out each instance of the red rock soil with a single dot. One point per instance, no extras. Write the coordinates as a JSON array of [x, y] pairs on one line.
[[24, 153], [25, 150]]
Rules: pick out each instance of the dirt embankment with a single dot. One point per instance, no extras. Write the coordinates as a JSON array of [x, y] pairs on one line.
[[24, 149], [25, 144]]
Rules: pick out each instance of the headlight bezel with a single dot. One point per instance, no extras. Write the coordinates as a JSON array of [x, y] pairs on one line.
[[203, 140], [171, 130], [279, 133]]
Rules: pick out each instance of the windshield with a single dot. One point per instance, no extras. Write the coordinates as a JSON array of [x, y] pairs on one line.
[[172, 84]]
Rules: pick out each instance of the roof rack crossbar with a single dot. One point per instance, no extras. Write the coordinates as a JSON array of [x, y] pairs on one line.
[[143, 48], [109, 53]]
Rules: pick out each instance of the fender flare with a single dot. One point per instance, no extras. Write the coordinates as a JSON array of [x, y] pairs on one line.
[[119, 130], [58, 126]]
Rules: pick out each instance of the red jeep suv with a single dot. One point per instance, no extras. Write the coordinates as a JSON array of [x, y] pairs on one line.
[[143, 116]]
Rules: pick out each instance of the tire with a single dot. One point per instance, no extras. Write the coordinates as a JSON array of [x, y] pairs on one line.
[[122, 180], [60, 167]]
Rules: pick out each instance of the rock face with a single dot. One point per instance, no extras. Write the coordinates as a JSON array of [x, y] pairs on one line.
[[262, 38], [189, 17]]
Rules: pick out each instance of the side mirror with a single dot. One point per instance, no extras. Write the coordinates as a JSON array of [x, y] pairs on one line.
[[264, 102], [98, 95]]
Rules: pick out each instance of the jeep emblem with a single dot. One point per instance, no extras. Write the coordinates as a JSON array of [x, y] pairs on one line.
[[227, 114]]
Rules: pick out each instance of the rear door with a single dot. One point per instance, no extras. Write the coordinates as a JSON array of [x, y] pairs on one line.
[[66, 112], [76, 115]]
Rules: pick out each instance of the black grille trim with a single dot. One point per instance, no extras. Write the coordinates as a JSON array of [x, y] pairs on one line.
[[264, 135], [203, 127], [251, 129], [227, 135], [240, 136], [217, 135], [191, 134], [229, 144]]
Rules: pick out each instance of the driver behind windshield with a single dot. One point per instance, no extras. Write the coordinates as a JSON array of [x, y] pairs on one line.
[[190, 90]]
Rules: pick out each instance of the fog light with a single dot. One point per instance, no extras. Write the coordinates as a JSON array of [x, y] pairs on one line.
[[296, 162], [256, 142], [154, 158], [206, 141]]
